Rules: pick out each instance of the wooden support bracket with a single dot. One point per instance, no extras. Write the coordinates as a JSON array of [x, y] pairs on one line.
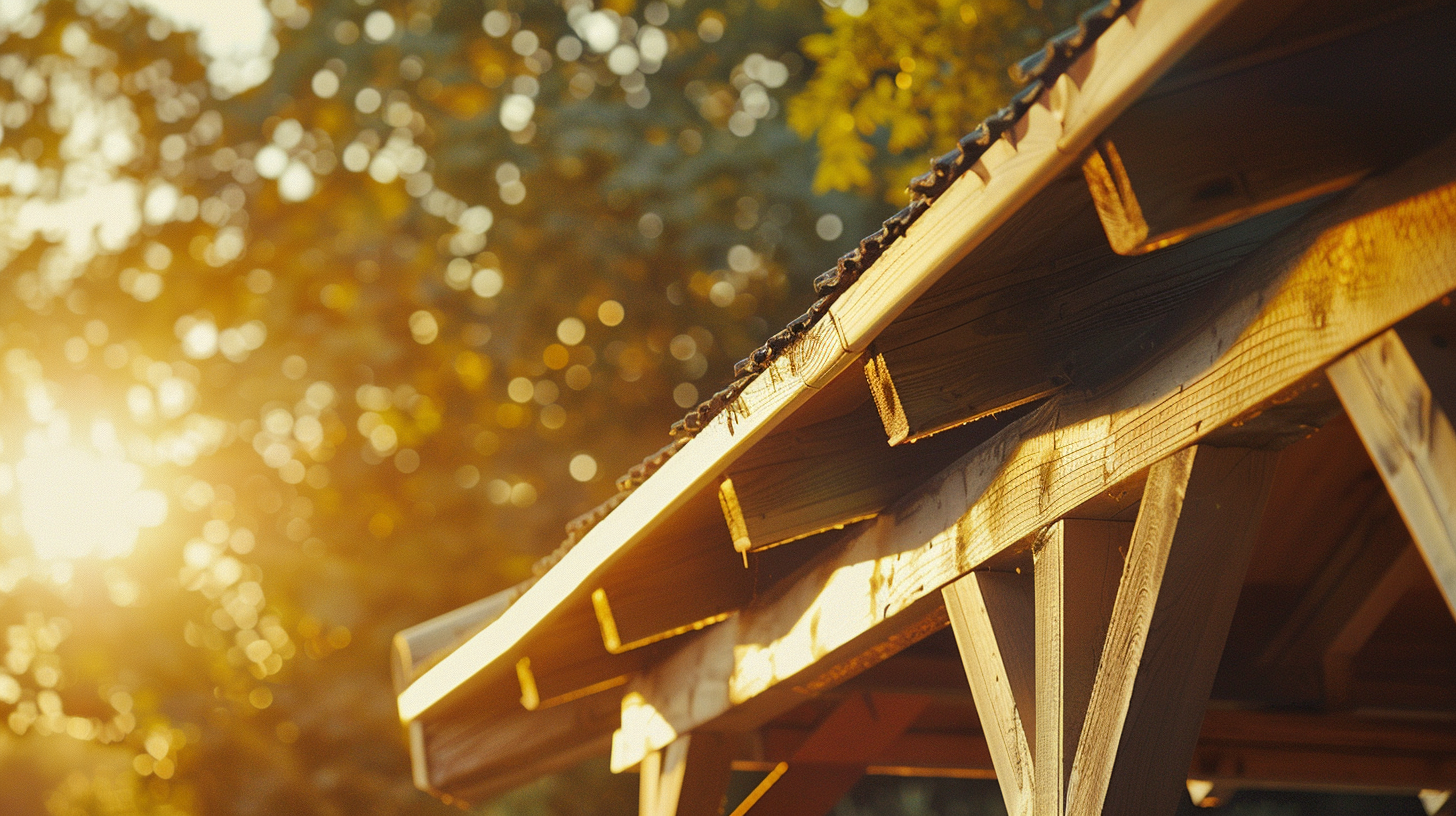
[[1180, 583], [1400, 406], [688, 777]]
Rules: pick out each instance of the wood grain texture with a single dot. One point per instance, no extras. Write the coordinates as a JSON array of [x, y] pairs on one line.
[[962, 217], [1190, 548], [821, 477], [1411, 440], [1235, 142], [993, 618], [1078, 565], [1045, 305], [1348, 272]]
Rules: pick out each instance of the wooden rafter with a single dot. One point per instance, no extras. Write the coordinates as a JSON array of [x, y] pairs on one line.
[[1390, 245]]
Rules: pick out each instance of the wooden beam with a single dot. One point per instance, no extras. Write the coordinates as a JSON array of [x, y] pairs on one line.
[[637, 606], [993, 618], [1041, 145], [1337, 663], [420, 646], [827, 764], [1410, 438], [1385, 251], [688, 777], [807, 480], [1238, 748], [1078, 566], [1184, 569], [1045, 305], [1271, 129]]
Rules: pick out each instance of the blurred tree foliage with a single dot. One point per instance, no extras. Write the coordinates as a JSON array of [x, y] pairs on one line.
[[898, 80], [378, 325]]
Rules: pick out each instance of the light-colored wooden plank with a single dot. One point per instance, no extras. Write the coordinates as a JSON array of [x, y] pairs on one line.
[[962, 217], [1184, 569], [1078, 566], [1411, 440], [1041, 306], [1213, 151], [992, 616], [1352, 270], [688, 777], [807, 480]]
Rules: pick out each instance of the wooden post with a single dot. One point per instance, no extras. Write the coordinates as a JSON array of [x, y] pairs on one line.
[[1181, 580], [991, 615], [1078, 564], [1407, 430], [688, 777]]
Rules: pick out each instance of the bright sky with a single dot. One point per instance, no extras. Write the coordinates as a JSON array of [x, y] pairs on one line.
[[236, 36]]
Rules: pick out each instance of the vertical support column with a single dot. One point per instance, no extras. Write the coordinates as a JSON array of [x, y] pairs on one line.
[[1078, 564], [1175, 601], [687, 778]]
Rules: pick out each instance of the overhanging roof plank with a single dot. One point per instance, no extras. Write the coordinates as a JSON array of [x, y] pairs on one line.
[[1031, 321], [806, 480], [1208, 153], [1353, 269]]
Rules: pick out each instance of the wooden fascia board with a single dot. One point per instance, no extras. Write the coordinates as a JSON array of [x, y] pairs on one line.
[[1347, 273], [1049, 138]]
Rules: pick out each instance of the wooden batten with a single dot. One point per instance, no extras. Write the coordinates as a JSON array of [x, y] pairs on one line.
[[643, 603], [811, 479], [1044, 306], [1226, 143], [1402, 416]]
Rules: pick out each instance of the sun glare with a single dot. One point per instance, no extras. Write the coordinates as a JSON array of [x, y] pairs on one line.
[[75, 503]]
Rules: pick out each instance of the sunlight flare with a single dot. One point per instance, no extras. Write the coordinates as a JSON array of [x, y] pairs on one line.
[[75, 503]]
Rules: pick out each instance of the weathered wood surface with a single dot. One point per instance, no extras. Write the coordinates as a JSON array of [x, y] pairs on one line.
[[993, 617], [1412, 442], [687, 778], [1386, 250], [827, 475], [418, 647], [1045, 305], [638, 606], [827, 764], [1045, 142], [472, 756], [1078, 566], [1271, 130], [1175, 600]]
